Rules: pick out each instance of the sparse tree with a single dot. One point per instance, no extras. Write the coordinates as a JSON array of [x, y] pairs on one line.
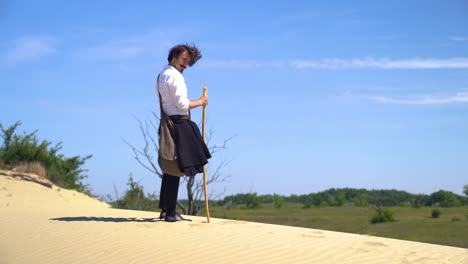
[[135, 198], [382, 215], [253, 201], [420, 200], [278, 200], [340, 199], [465, 190], [147, 157], [361, 200], [444, 199]]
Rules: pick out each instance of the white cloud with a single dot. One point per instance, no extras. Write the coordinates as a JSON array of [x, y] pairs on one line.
[[385, 37], [458, 38], [382, 63], [116, 51], [130, 47], [30, 48], [460, 97], [358, 63], [239, 64]]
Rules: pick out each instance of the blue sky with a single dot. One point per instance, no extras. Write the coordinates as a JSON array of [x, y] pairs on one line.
[[316, 95]]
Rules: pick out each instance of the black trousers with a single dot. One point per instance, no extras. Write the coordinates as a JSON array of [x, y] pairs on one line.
[[169, 191]]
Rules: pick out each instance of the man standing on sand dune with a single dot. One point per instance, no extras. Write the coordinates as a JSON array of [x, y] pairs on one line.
[[191, 151]]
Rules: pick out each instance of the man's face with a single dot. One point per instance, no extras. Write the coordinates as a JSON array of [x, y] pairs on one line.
[[182, 61]]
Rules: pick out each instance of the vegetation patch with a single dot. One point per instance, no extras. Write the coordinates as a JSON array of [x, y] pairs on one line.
[[26, 153], [382, 216], [436, 213], [412, 223]]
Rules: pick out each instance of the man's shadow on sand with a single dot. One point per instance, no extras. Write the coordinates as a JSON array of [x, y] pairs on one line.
[[105, 219]]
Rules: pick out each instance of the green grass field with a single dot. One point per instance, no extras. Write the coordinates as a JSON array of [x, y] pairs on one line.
[[415, 224]]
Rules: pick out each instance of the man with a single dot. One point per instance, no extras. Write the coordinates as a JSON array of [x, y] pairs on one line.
[[191, 151]]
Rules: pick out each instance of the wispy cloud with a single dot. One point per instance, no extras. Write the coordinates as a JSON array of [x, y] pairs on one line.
[[458, 38], [385, 37], [240, 64], [382, 63], [30, 48], [127, 50], [136, 46], [460, 97], [336, 63]]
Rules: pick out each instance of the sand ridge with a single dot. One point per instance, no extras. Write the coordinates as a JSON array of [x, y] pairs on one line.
[[53, 225]]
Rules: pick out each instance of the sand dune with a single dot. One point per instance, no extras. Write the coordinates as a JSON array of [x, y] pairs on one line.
[[39, 224]]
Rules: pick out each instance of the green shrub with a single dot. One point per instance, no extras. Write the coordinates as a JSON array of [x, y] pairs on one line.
[[278, 200], [308, 204], [135, 198], [27, 149], [252, 201], [382, 215], [340, 199], [361, 200], [436, 213], [445, 199], [3, 165], [419, 200]]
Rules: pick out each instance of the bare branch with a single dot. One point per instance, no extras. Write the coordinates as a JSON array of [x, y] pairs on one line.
[[137, 155], [215, 148], [143, 156]]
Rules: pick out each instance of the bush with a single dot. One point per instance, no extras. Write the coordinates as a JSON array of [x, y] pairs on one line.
[[340, 199], [278, 200], [28, 153], [31, 167], [317, 200], [361, 200], [252, 201], [419, 200], [445, 199], [382, 215], [307, 204], [4, 166], [135, 198], [436, 213]]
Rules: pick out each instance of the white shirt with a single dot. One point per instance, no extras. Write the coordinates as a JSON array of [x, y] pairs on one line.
[[173, 91]]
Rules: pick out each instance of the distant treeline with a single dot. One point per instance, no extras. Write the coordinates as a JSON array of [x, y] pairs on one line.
[[356, 197]]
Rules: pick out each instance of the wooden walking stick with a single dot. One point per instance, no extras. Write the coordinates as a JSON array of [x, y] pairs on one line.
[[205, 92]]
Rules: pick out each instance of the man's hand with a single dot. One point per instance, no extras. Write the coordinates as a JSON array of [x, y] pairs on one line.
[[202, 101]]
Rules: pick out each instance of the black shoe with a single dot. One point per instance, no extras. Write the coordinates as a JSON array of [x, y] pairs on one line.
[[170, 219], [180, 218], [162, 215], [175, 218]]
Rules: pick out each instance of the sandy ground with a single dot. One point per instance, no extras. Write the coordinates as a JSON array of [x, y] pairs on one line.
[[39, 224]]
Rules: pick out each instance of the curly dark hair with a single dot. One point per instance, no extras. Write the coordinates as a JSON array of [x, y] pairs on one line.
[[192, 50]]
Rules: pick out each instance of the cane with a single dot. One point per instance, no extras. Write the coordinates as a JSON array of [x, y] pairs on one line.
[[205, 92]]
